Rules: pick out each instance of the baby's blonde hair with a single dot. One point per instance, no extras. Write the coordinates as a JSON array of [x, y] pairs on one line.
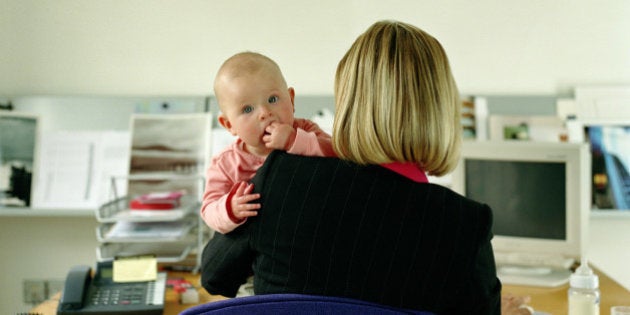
[[245, 63], [397, 101]]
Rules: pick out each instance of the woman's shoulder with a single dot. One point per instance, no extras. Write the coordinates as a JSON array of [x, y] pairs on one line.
[[473, 212], [283, 161], [454, 196], [385, 189]]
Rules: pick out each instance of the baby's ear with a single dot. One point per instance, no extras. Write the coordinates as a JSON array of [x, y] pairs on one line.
[[225, 122], [292, 94]]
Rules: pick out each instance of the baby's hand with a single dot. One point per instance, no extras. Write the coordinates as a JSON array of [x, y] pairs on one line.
[[241, 208], [279, 136], [515, 305]]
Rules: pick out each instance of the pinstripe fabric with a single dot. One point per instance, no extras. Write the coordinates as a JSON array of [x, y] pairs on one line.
[[329, 227]]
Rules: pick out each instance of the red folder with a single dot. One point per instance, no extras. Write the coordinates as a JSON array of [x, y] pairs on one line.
[[156, 201]]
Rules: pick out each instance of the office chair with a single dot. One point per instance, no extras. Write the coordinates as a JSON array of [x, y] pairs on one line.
[[295, 304]]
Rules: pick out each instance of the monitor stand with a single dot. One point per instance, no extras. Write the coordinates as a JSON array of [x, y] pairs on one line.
[[533, 275]]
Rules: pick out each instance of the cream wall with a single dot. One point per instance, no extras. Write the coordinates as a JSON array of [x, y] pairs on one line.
[[175, 47], [160, 47], [38, 248]]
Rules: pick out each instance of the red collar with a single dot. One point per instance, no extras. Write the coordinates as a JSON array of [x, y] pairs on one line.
[[409, 170]]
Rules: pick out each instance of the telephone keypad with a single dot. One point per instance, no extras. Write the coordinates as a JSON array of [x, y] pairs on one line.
[[129, 294]]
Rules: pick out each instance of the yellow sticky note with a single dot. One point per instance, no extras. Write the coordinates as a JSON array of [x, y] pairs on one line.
[[134, 269]]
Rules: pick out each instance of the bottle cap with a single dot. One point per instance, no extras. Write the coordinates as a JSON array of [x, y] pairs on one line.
[[584, 278]]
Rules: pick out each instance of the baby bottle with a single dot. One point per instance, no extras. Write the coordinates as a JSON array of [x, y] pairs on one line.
[[584, 291]]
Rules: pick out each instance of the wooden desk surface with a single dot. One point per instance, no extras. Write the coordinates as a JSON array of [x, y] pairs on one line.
[[555, 300], [171, 298], [548, 300]]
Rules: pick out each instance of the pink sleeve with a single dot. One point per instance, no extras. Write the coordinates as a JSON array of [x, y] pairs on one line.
[[311, 140], [214, 209]]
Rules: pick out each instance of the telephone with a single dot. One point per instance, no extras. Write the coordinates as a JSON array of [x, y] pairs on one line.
[[103, 296]]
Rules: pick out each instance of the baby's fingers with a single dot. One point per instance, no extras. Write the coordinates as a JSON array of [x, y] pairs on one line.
[[240, 189], [248, 189], [249, 197], [247, 210]]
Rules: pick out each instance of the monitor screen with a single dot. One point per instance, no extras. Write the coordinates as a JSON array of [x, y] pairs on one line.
[[538, 193], [532, 193]]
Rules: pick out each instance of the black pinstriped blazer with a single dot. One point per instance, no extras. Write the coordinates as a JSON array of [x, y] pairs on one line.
[[330, 227]]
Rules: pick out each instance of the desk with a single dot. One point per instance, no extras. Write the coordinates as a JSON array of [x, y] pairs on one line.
[[549, 300], [555, 300], [171, 298]]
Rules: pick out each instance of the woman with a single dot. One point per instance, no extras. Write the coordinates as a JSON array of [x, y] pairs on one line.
[[367, 225]]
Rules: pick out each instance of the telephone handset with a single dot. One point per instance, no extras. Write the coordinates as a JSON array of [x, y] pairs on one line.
[[103, 296], [75, 288]]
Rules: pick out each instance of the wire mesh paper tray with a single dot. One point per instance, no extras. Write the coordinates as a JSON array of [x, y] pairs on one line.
[[118, 210], [164, 252], [138, 232]]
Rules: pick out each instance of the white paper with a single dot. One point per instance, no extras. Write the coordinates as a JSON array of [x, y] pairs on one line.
[[148, 230], [75, 168]]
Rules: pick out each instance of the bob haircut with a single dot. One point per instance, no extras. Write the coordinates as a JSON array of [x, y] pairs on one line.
[[397, 101]]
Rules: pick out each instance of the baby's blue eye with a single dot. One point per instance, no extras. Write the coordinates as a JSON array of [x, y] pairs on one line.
[[247, 109], [273, 99]]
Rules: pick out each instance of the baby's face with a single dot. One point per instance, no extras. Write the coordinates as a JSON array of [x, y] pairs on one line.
[[250, 103]]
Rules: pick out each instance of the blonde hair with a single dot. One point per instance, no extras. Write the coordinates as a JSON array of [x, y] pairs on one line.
[[397, 101], [246, 63]]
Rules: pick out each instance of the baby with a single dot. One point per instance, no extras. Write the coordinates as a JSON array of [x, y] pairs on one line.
[[257, 106]]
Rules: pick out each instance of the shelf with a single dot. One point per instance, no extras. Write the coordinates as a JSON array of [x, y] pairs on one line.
[[37, 212], [610, 214]]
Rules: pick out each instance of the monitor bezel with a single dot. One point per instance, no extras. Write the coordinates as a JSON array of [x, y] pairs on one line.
[[575, 156]]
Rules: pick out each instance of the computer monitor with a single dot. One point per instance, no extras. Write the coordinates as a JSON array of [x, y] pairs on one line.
[[539, 194]]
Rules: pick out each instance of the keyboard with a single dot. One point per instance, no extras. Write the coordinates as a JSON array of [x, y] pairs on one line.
[[542, 270], [533, 260], [533, 276]]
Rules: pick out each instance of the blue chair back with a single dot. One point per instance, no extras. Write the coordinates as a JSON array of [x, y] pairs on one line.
[[295, 304]]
